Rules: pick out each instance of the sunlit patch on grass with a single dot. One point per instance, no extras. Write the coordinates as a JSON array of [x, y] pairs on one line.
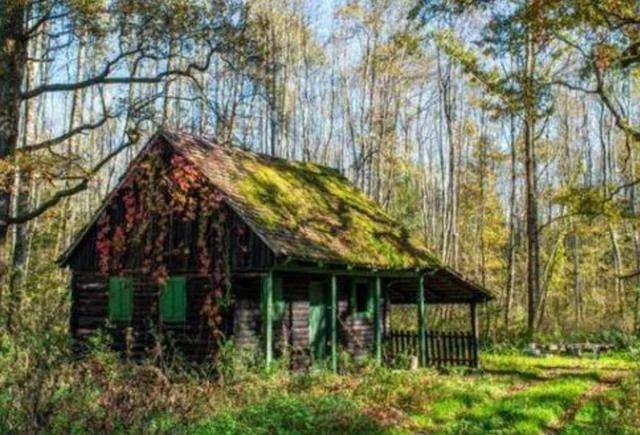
[[529, 411]]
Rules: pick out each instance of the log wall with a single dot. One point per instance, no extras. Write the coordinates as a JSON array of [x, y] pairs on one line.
[[89, 311], [137, 338], [291, 334], [247, 316], [292, 331], [243, 248]]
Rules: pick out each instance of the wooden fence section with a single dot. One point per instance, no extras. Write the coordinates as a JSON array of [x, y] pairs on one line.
[[443, 348]]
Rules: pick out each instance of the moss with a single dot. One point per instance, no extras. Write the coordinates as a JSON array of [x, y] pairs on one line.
[[325, 216]]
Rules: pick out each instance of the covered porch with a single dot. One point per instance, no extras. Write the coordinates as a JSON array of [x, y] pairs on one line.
[[432, 346], [394, 324]]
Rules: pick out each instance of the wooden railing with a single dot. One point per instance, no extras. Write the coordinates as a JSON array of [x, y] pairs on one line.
[[443, 348], [399, 342]]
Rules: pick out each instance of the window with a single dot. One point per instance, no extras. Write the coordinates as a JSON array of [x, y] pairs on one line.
[[173, 300], [361, 298], [120, 299]]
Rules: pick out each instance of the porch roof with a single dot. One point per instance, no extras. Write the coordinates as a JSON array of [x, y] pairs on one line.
[[441, 286], [446, 286]]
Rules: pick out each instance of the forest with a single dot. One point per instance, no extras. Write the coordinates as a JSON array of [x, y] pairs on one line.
[[505, 133]]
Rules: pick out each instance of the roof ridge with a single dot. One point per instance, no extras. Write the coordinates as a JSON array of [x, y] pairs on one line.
[[211, 141]]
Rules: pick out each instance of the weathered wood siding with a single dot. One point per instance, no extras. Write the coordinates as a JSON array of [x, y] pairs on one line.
[[247, 316], [89, 287], [359, 336], [89, 304], [89, 312], [356, 331], [246, 250], [291, 333]]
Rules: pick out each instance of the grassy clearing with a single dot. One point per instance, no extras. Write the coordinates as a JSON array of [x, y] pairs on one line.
[[511, 394], [530, 411]]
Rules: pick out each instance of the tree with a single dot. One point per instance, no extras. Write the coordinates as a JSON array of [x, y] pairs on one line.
[[514, 32], [131, 38], [603, 36]]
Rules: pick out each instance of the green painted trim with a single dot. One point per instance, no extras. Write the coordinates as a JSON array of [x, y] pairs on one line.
[[173, 300], [334, 323], [422, 333], [348, 272], [377, 319], [267, 302], [120, 299]]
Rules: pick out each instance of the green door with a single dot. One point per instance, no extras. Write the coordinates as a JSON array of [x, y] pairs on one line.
[[318, 325]]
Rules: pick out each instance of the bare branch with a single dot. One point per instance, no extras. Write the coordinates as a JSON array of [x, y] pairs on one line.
[[104, 76], [61, 194], [620, 119], [74, 131], [630, 275]]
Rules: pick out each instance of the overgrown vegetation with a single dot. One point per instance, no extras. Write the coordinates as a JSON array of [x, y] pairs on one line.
[[42, 388], [504, 133]]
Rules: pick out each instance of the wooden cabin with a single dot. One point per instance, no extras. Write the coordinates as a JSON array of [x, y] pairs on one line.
[[202, 242]]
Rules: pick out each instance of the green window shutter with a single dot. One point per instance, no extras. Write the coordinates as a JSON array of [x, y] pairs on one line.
[[173, 300], [120, 299], [278, 301]]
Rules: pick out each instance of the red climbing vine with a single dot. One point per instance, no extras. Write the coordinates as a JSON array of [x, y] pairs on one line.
[[134, 233]]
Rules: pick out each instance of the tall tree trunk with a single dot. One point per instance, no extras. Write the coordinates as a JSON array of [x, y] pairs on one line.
[[444, 197], [511, 254], [12, 60], [636, 308], [482, 168], [168, 109], [577, 290], [617, 264], [533, 247], [67, 212], [20, 244], [450, 198]]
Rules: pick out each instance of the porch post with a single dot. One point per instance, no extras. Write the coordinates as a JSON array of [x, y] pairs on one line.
[[474, 333], [267, 295], [334, 323], [377, 319], [422, 334]]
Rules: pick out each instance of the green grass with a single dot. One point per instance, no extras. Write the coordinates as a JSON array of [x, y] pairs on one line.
[[510, 394], [589, 418], [530, 411], [292, 414]]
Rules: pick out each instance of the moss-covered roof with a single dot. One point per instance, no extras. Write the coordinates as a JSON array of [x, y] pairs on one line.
[[302, 210]]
